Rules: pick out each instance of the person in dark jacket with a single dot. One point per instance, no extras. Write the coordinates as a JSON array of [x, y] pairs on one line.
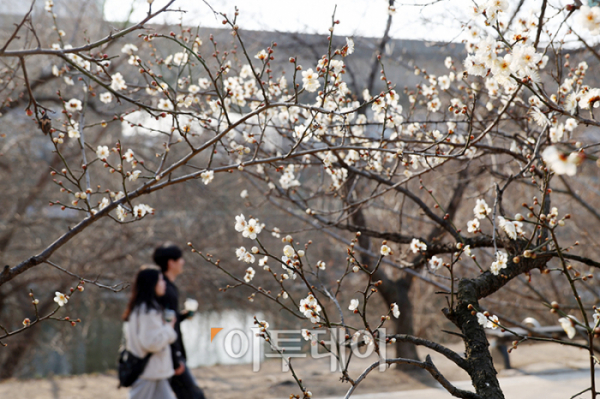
[[169, 258]]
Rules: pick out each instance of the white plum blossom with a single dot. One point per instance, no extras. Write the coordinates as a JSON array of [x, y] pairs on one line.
[[560, 163], [481, 319], [240, 252], [106, 97], [538, 116], [567, 324], [353, 305], [73, 105], [570, 124], [249, 274], [473, 225], [321, 265], [417, 245], [434, 105], [306, 334], [310, 79], [435, 263], [444, 82], [261, 55], [571, 103], [350, 44], [248, 257], [244, 255], [134, 175], [589, 18], [511, 228], [493, 322], [102, 152], [395, 310], [240, 223], [493, 7], [129, 49], [204, 83], [475, 65], [310, 308], [556, 133], [385, 250], [73, 130], [180, 58], [448, 62], [500, 263], [262, 324], [165, 104], [246, 71], [117, 82], [252, 229], [481, 209], [288, 254], [288, 179], [134, 60], [524, 60], [121, 213], [487, 322], [117, 196], [207, 176], [104, 203], [142, 210], [244, 194], [128, 156], [591, 98], [263, 262], [60, 298]]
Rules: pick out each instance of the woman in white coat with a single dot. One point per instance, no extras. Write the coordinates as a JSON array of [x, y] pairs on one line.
[[146, 331]]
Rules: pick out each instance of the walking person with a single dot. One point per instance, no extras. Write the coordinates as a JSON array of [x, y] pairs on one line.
[[146, 332], [169, 258]]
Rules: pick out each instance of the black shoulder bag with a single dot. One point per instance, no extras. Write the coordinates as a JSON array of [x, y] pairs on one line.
[[131, 366]]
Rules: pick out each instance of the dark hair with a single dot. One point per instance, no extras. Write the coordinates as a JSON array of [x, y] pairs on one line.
[[164, 253], [143, 291]]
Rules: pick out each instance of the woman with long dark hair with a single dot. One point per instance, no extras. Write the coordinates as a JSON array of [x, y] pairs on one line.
[[146, 331]]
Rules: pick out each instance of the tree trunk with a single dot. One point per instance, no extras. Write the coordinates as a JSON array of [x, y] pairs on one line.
[[392, 292]]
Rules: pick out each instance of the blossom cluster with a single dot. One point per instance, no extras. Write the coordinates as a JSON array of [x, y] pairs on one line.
[[310, 308]]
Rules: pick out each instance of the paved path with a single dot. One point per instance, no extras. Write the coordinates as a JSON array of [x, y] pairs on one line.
[[561, 384]]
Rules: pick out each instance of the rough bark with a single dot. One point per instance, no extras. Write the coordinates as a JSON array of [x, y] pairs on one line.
[[481, 367], [470, 291]]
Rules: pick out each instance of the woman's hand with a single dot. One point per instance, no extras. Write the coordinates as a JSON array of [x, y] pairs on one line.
[[179, 370]]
